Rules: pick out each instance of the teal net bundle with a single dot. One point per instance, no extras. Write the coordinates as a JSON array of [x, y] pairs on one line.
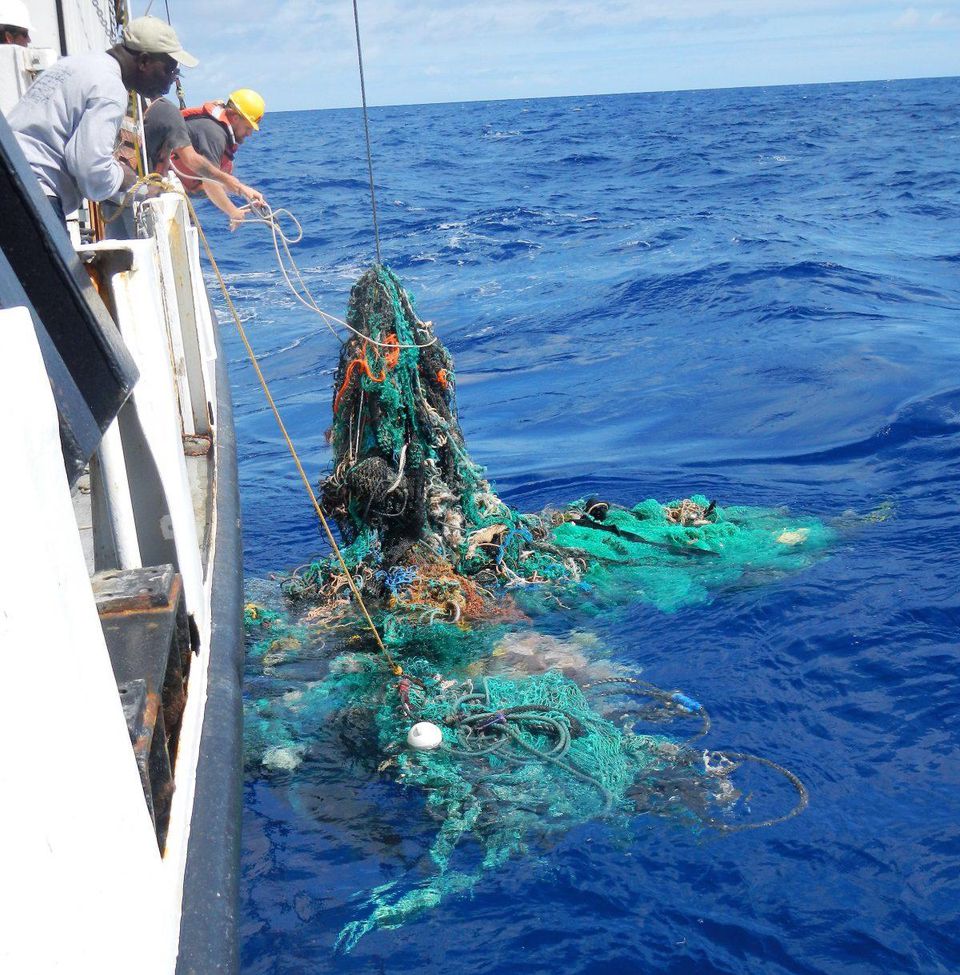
[[428, 540], [536, 735]]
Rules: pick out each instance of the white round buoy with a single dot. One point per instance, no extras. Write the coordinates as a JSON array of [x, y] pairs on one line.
[[424, 736]]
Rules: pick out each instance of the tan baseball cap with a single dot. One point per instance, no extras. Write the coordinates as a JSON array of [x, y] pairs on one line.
[[151, 35]]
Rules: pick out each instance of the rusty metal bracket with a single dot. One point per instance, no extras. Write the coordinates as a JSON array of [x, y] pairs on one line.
[[147, 632]]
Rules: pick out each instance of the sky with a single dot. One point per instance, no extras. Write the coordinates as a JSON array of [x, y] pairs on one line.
[[302, 53]]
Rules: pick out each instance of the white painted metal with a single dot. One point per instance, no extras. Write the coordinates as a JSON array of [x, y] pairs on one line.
[[116, 489], [18, 67], [155, 220], [168, 221], [206, 322], [84, 25], [194, 308], [83, 887], [146, 309], [83, 883], [140, 297]]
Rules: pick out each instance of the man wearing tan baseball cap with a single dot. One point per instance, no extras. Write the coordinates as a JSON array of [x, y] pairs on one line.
[[151, 35], [68, 120]]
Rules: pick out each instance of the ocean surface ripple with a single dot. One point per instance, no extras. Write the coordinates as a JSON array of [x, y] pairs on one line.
[[752, 294]]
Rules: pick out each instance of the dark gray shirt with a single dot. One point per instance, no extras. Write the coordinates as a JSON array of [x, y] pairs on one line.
[[165, 130], [209, 138]]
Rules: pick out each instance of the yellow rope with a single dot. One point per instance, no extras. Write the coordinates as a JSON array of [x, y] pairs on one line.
[[394, 666]]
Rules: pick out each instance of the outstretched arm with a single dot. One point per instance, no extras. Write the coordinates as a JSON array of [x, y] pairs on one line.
[[202, 166]]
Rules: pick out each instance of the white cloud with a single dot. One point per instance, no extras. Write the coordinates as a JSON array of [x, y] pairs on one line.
[[913, 19], [302, 52], [908, 19], [946, 20]]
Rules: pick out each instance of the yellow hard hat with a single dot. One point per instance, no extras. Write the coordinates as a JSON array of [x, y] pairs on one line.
[[249, 104]]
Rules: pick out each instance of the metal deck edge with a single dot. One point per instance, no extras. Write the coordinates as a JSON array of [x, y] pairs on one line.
[[208, 926]]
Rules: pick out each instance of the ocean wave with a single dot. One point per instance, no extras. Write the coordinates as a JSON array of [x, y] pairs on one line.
[[752, 294], [585, 158], [930, 419]]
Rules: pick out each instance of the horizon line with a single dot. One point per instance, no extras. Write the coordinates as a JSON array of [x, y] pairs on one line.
[[611, 94]]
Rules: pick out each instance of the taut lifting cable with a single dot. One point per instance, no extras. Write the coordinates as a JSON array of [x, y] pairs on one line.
[[166, 4], [366, 129]]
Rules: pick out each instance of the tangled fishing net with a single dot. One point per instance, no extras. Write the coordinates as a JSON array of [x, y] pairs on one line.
[[521, 759], [453, 577], [427, 538]]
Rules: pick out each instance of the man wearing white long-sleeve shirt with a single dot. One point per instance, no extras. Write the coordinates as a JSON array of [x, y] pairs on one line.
[[68, 120]]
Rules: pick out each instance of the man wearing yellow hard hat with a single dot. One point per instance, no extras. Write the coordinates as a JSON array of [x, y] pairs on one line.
[[217, 130]]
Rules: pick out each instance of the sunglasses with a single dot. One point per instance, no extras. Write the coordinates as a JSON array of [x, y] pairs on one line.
[[170, 66]]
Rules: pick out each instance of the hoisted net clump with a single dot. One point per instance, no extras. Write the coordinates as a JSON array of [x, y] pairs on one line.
[[404, 491], [430, 541]]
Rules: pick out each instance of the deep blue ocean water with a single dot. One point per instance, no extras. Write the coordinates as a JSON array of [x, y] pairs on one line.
[[752, 294]]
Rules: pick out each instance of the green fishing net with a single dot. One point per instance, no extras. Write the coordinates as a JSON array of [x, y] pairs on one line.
[[521, 758], [538, 733], [428, 539]]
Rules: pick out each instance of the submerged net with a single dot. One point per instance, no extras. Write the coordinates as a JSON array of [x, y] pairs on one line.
[[522, 758], [453, 577], [518, 756]]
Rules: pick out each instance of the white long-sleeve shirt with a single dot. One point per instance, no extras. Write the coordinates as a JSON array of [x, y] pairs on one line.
[[67, 123]]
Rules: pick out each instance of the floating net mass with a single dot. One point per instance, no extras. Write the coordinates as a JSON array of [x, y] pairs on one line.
[[530, 735]]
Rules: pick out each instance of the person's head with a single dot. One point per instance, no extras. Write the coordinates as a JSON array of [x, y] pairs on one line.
[[244, 110], [150, 56], [11, 34], [15, 23]]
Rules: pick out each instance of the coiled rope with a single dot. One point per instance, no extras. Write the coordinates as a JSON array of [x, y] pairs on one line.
[[677, 704], [733, 759], [483, 730], [290, 271], [281, 246], [282, 241]]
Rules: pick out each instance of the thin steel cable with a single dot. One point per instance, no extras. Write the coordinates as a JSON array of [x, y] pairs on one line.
[[366, 129], [166, 4]]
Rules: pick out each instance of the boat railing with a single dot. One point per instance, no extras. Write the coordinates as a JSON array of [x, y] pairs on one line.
[[130, 545]]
